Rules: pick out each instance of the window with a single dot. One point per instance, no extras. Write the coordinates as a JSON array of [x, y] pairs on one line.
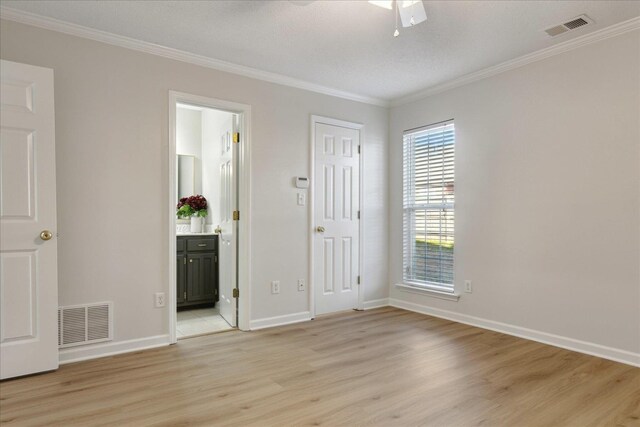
[[428, 214]]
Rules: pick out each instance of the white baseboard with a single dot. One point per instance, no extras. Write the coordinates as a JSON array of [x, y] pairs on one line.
[[287, 319], [615, 354], [376, 303], [77, 354]]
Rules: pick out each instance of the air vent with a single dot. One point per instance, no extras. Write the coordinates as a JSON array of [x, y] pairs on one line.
[[577, 22], [84, 324]]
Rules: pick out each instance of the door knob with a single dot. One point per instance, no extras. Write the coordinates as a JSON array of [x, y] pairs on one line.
[[218, 230], [46, 235], [320, 229]]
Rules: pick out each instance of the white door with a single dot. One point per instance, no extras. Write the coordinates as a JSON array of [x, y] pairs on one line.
[[28, 259], [228, 230], [336, 211]]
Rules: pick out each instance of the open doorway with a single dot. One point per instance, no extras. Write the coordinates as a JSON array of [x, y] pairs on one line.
[[207, 155]]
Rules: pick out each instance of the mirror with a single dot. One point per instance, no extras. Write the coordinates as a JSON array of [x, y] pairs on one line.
[[186, 175]]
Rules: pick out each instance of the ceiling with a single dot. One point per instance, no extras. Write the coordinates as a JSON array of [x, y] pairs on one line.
[[345, 45]]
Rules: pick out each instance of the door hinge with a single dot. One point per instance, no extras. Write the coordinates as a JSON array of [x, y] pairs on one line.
[[236, 293], [236, 215], [358, 149], [358, 214], [236, 137], [215, 258], [185, 260], [358, 280]]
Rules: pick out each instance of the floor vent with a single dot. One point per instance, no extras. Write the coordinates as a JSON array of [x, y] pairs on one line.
[[85, 324], [577, 22]]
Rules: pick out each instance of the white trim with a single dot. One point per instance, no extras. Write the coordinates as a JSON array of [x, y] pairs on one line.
[[450, 296], [287, 319], [244, 203], [376, 303], [312, 159], [610, 353], [178, 55], [172, 300], [602, 34], [244, 224], [77, 354]]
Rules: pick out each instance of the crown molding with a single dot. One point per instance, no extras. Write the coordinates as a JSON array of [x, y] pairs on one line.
[[183, 56], [602, 34], [178, 55]]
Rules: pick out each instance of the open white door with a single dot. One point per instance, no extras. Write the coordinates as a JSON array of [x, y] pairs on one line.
[[336, 242], [227, 249], [28, 249]]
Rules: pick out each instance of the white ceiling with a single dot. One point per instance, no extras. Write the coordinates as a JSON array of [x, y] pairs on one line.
[[346, 45]]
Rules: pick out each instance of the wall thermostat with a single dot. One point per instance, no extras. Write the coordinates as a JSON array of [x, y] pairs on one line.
[[302, 182]]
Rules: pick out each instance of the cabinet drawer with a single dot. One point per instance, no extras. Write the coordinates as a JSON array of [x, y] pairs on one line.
[[181, 244], [201, 245]]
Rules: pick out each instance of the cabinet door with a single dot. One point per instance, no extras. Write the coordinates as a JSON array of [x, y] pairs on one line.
[[215, 281], [201, 277], [181, 278]]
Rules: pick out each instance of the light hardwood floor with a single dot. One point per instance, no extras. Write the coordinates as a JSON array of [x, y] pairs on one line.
[[384, 367]]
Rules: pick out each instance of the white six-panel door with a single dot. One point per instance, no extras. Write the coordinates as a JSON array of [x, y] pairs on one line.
[[28, 252], [336, 224], [227, 235]]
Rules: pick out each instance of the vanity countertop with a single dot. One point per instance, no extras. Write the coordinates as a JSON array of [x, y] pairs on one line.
[[180, 234]]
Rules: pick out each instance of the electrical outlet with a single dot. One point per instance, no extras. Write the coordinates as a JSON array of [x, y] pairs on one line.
[[275, 287], [302, 199], [467, 286], [160, 301], [300, 285]]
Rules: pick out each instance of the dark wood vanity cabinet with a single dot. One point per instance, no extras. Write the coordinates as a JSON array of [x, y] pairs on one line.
[[197, 270]]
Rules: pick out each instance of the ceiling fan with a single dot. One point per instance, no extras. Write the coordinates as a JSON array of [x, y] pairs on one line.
[[411, 12]]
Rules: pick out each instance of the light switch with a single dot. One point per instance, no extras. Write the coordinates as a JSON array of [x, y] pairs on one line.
[[302, 199]]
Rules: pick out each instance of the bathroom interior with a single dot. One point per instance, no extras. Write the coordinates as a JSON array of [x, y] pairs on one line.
[[204, 150]]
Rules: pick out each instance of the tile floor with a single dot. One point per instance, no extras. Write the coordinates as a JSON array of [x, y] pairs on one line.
[[200, 321]]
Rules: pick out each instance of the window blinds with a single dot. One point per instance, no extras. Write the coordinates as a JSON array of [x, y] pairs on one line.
[[428, 206]]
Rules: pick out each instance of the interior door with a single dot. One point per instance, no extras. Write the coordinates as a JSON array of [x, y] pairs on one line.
[[336, 212], [228, 227], [28, 250]]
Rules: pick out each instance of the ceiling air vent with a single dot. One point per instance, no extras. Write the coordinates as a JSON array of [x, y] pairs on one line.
[[577, 22], [85, 324]]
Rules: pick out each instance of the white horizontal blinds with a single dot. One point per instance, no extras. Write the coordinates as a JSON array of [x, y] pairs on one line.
[[428, 204]]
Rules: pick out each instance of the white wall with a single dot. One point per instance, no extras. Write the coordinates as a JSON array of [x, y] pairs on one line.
[[547, 194], [112, 156], [189, 141], [198, 134], [189, 132]]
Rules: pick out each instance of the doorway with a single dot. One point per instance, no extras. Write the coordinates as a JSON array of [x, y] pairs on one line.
[[336, 215], [209, 184]]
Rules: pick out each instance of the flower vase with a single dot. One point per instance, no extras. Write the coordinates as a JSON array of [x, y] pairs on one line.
[[196, 224]]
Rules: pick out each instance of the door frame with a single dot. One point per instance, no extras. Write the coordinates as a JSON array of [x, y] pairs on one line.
[[244, 203], [315, 119]]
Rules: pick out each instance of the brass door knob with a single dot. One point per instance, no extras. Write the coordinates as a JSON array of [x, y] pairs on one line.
[[46, 235], [320, 229]]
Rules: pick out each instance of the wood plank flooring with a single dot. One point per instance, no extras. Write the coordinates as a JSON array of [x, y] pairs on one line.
[[384, 367]]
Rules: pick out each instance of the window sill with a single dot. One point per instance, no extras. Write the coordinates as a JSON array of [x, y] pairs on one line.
[[428, 292]]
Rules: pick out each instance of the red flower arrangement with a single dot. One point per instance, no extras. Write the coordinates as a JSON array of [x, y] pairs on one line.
[[192, 206]]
